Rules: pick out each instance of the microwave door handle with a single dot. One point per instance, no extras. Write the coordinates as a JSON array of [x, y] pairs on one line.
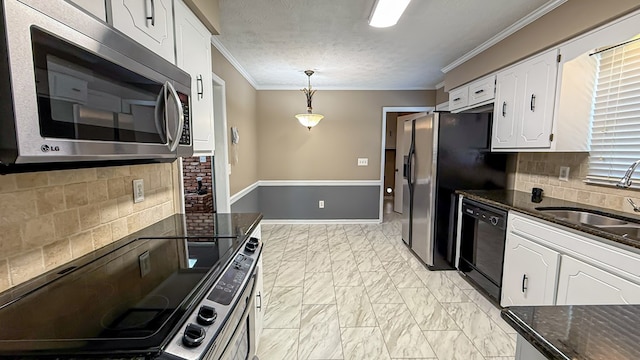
[[159, 114], [176, 138]]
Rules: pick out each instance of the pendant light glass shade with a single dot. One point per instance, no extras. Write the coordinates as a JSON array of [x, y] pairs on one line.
[[309, 119]]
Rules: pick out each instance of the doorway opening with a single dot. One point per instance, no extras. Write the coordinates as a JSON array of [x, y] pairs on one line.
[[391, 159]]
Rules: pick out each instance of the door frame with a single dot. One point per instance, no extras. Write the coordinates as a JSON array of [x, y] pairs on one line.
[[385, 110], [221, 167]]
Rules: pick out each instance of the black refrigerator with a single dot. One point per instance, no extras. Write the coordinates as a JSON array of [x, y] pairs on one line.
[[444, 152]]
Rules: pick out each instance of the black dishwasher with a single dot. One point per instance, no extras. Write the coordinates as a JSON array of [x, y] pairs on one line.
[[482, 242]]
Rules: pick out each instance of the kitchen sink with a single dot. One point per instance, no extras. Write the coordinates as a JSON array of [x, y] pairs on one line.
[[584, 217], [632, 232], [627, 228]]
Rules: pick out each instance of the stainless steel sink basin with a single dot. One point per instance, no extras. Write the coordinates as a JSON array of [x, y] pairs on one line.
[[583, 217], [632, 232], [627, 228]]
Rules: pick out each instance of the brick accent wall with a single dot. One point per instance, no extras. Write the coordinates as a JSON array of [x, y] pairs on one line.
[[198, 207]]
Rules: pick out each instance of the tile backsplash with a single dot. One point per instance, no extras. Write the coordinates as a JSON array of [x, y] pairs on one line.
[[49, 218], [542, 170]]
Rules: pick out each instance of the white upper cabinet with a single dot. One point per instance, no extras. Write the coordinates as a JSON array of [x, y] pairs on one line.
[[193, 55], [149, 22], [523, 110], [94, 7], [477, 93]]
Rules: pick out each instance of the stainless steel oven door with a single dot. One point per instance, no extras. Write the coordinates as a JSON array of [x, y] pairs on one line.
[[82, 91], [236, 341]]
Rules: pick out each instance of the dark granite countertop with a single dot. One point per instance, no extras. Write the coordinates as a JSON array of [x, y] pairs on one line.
[[586, 332], [521, 201]]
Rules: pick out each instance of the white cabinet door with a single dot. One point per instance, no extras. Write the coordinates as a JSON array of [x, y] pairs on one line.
[[95, 7], [504, 110], [149, 22], [482, 90], [523, 110], [193, 55], [584, 284], [536, 112], [530, 271]]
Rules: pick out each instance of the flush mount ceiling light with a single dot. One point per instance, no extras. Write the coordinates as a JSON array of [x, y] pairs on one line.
[[309, 119], [387, 12]]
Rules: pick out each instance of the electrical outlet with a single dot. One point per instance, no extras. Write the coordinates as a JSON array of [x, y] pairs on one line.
[[138, 190], [321, 204], [363, 161], [145, 263], [564, 173]]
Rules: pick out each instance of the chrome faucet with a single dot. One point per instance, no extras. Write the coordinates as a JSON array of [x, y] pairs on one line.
[[625, 182]]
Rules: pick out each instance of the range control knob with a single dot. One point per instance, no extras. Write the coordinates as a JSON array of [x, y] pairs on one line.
[[254, 240], [207, 315], [251, 247], [494, 220], [193, 336]]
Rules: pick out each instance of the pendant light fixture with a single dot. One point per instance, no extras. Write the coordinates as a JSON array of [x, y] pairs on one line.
[[309, 119]]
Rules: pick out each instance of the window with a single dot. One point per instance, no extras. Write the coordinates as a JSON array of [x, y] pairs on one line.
[[615, 142]]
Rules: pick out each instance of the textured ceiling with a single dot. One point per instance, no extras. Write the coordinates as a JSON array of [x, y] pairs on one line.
[[274, 41]]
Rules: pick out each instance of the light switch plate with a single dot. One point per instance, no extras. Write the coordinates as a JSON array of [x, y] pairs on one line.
[[564, 173], [363, 161], [138, 190]]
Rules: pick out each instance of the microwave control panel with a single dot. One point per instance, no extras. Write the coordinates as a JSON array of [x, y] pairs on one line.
[[185, 138]]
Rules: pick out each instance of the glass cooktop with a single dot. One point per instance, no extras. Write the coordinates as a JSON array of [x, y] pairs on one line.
[[130, 299]]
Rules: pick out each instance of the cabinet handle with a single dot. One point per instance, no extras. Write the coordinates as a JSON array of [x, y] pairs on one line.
[[533, 102], [153, 13], [504, 109], [200, 86], [457, 99], [524, 279], [479, 91], [259, 296]]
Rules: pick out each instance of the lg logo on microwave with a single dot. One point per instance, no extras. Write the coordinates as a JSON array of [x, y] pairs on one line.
[[46, 148]]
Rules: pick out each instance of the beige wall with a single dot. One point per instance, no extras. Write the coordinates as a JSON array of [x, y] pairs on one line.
[[542, 170], [568, 20], [352, 128], [50, 218], [241, 112], [441, 96]]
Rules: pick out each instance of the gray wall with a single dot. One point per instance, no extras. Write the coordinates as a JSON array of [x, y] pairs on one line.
[[301, 202], [248, 203]]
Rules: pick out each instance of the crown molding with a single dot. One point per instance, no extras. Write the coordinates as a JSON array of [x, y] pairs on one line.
[[535, 15], [223, 50], [439, 85]]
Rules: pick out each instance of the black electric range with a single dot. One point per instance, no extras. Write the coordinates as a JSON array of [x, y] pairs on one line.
[[123, 302]]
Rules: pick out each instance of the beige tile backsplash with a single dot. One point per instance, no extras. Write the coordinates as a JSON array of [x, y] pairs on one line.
[[49, 218], [542, 170]]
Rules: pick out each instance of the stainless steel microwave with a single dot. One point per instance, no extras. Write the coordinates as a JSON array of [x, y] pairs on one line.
[[73, 89]]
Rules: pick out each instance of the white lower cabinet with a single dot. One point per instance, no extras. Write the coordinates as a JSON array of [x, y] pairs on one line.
[[531, 275], [549, 264], [259, 308], [526, 351], [582, 284]]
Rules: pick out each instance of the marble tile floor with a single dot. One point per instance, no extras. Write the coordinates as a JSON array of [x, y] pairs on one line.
[[355, 292]]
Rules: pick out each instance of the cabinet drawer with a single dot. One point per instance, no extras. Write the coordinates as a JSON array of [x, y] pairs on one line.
[[482, 90], [459, 98]]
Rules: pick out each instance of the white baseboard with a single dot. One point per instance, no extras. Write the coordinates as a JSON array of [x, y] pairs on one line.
[[319, 221]]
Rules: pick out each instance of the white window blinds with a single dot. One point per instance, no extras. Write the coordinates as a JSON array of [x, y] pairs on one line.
[[615, 141]]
